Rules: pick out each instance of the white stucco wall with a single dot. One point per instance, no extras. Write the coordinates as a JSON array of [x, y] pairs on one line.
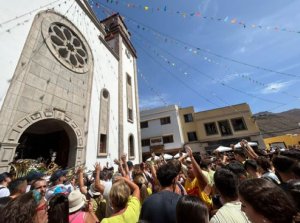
[[155, 129], [105, 68], [105, 76], [12, 41], [129, 127]]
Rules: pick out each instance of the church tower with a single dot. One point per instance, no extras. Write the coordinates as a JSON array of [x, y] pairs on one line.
[[118, 38]]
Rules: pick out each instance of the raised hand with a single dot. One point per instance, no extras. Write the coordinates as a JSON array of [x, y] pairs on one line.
[[97, 167], [117, 162], [79, 170], [245, 142], [189, 151], [123, 157], [242, 144]]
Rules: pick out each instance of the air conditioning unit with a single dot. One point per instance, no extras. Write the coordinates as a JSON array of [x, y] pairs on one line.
[[156, 141]]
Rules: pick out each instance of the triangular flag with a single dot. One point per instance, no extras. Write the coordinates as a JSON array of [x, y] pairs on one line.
[[233, 21]]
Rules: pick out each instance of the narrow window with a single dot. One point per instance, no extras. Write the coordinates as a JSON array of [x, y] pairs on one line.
[[128, 80], [192, 136], [188, 118], [238, 124], [129, 98], [211, 128], [225, 128], [165, 120], [103, 144], [168, 139], [130, 115], [131, 146], [103, 123], [145, 142], [144, 125]]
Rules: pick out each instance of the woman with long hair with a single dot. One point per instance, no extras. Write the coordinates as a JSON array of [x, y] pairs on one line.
[[26, 208], [145, 191]]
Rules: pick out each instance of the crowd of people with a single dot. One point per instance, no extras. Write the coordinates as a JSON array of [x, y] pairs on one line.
[[242, 186]]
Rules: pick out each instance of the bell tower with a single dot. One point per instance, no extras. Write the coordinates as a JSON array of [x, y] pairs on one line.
[[118, 38]]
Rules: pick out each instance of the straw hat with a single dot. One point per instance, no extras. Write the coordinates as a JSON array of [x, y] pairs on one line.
[[76, 201], [92, 191]]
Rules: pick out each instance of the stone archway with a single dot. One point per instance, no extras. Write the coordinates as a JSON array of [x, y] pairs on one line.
[[76, 152]]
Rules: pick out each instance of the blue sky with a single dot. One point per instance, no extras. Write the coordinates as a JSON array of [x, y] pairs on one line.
[[214, 53]]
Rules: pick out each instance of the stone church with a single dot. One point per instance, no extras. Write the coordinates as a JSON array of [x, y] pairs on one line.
[[68, 85]]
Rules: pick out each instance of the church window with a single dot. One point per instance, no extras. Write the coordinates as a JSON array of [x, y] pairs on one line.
[[131, 146], [103, 123], [67, 46]]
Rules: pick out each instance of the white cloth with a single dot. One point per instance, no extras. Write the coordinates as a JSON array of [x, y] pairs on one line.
[[107, 186], [50, 191], [4, 192], [230, 213], [271, 176], [130, 175], [28, 188]]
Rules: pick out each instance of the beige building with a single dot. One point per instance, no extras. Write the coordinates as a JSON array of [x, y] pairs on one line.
[[207, 130]]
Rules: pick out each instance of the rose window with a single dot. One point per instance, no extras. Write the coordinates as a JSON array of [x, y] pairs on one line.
[[68, 46]]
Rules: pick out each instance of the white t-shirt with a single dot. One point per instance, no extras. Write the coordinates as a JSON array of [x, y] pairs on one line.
[[230, 213], [4, 192], [107, 186]]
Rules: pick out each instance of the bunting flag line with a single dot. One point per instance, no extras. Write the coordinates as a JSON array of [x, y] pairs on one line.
[[6, 26], [194, 49], [197, 50], [198, 14], [153, 90], [211, 61], [219, 81], [30, 12]]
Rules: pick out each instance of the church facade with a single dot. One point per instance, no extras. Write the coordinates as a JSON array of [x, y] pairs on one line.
[[68, 85]]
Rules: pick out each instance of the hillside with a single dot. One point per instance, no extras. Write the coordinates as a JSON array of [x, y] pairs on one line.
[[274, 124]]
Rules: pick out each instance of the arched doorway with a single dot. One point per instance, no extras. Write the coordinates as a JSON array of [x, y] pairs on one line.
[[46, 139]]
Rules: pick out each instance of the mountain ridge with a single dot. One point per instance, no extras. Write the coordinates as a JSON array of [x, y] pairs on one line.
[[275, 124]]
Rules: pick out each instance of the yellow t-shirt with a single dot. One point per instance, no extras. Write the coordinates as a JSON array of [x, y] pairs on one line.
[[149, 191], [193, 188], [131, 214]]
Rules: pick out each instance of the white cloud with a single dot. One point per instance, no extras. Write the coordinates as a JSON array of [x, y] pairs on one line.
[[275, 87], [239, 50], [151, 102], [231, 77], [242, 49]]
